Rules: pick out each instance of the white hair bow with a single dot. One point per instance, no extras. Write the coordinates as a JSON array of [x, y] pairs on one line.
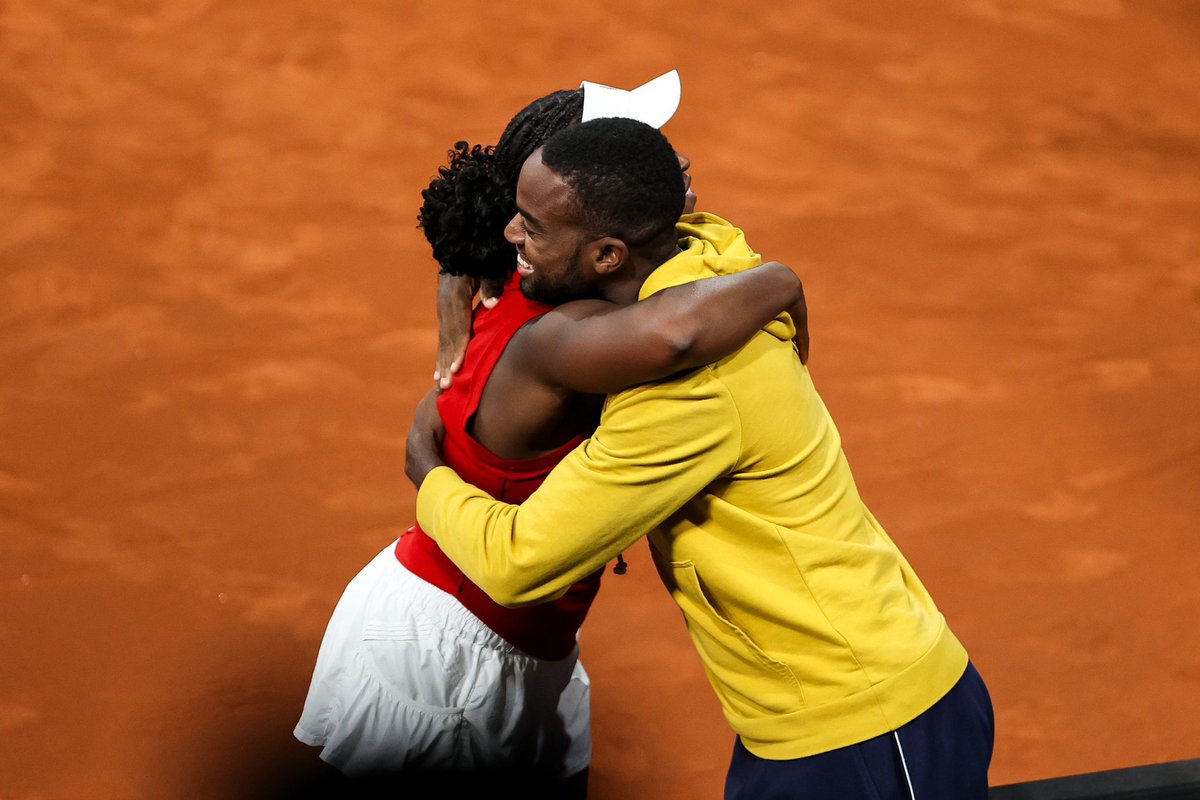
[[653, 103]]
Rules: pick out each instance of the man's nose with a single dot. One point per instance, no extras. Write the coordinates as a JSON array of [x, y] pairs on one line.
[[685, 163], [514, 231]]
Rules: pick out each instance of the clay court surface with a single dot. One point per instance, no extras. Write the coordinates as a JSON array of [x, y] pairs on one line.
[[216, 317]]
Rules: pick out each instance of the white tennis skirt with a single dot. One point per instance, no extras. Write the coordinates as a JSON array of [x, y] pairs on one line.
[[409, 680]]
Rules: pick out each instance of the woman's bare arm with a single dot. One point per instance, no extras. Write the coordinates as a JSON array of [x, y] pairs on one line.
[[455, 300]]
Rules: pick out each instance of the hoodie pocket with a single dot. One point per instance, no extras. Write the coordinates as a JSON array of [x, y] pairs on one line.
[[748, 681]]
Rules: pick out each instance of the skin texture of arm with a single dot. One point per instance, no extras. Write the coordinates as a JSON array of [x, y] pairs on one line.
[[628, 478], [600, 347]]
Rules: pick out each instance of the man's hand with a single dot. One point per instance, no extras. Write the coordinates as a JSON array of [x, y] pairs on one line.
[[799, 314], [456, 293], [424, 448]]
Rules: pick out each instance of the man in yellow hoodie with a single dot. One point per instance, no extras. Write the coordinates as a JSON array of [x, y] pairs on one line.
[[831, 661]]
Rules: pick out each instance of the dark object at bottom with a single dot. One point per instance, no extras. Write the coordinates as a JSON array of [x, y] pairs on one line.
[[1176, 780], [433, 785]]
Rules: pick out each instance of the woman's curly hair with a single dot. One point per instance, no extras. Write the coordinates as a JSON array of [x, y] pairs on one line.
[[464, 212], [473, 198]]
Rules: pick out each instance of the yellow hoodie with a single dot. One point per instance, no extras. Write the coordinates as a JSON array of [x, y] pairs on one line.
[[814, 631]]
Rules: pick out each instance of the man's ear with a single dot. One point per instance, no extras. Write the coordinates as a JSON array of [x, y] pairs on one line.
[[608, 254]]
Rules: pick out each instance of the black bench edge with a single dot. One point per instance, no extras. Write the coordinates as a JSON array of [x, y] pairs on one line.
[[1175, 780]]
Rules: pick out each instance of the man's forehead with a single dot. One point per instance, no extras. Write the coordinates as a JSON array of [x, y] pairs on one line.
[[540, 186]]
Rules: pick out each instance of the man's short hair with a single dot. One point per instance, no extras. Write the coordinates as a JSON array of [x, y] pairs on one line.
[[625, 177]]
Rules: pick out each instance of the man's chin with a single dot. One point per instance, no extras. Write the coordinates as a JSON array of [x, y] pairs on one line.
[[540, 293], [557, 293], [528, 287]]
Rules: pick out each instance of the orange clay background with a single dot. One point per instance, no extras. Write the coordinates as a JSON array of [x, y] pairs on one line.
[[216, 317]]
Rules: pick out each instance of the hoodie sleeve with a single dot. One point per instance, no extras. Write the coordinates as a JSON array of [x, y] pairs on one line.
[[656, 448]]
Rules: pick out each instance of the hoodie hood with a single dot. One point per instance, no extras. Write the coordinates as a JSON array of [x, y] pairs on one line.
[[710, 246]]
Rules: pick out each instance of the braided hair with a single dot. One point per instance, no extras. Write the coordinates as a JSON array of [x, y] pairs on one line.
[[532, 126], [467, 206]]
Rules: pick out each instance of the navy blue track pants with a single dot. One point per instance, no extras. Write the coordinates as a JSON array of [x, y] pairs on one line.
[[941, 755]]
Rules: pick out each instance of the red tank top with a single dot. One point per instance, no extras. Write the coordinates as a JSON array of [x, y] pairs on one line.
[[546, 630]]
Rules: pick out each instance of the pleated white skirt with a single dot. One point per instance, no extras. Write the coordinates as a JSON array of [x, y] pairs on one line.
[[408, 679]]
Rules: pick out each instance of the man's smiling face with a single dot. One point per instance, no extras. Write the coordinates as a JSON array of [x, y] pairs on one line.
[[548, 236]]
